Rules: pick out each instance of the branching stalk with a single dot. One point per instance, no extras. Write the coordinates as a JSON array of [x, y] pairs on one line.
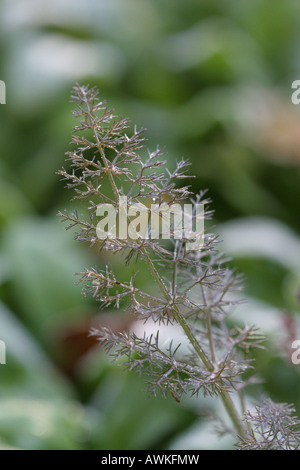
[[218, 357]]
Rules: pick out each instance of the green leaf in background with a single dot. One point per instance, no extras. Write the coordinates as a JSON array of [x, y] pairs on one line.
[[42, 265]]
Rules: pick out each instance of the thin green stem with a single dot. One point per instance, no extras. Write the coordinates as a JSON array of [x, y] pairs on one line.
[[243, 408], [210, 337], [232, 412], [181, 320], [100, 149], [226, 399]]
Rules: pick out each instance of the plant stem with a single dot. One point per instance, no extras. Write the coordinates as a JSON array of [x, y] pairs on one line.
[[210, 338], [232, 412], [99, 146], [181, 320], [226, 399]]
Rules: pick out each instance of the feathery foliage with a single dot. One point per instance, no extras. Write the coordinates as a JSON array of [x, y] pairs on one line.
[[194, 289], [273, 427]]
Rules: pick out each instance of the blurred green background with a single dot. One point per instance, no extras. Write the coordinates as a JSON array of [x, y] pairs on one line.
[[211, 80]]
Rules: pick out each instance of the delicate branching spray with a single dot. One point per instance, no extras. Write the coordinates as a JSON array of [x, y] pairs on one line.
[[193, 287]]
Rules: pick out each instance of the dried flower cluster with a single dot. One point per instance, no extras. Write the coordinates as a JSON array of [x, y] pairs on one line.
[[194, 289], [272, 427]]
